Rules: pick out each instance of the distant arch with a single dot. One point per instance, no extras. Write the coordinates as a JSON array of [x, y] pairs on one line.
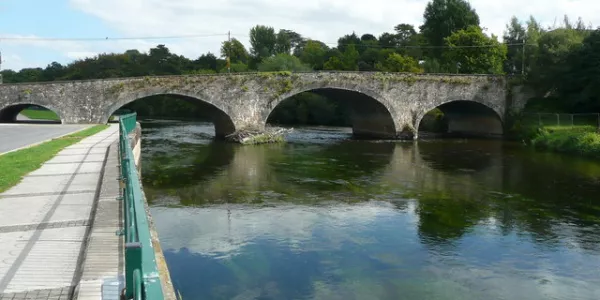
[[10, 111], [372, 113], [469, 117], [220, 117]]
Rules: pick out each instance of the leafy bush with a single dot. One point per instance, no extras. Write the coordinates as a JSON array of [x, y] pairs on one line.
[[581, 140]]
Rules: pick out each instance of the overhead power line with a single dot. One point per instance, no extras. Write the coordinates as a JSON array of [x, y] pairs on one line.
[[25, 38], [411, 47], [192, 36]]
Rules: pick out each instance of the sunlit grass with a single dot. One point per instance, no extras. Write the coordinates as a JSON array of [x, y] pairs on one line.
[[580, 140], [36, 114]]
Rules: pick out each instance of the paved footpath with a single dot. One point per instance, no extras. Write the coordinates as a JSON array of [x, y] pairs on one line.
[[57, 226]]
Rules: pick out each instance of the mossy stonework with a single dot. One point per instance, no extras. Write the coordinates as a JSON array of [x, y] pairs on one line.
[[244, 101]]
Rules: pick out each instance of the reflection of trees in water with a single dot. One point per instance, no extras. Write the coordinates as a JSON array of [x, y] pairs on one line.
[[458, 185], [348, 164], [556, 194], [459, 155], [446, 217], [509, 186], [275, 172], [187, 165]]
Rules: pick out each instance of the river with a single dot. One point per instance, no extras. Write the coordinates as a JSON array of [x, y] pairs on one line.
[[326, 217]]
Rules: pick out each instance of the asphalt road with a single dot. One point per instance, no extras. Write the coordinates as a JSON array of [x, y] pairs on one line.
[[14, 136]]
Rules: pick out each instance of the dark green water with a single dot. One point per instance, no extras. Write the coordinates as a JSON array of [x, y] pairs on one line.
[[322, 217]]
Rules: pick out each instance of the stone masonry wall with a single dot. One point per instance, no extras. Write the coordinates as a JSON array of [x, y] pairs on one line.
[[244, 101]]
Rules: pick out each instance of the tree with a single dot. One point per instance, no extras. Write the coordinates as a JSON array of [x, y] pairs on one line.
[[388, 40], [408, 40], [263, 41], [551, 58], [163, 62], [295, 38], [346, 61], [367, 37], [53, 71], [444, 17], [314, 54], [348, 39], [405, 32], [368, 59], [235, 50], [235, 68], [485, 55], [579, 83], [282, 62], [206, 61], [405, 40], [283, 44], [534, 32], [399, 63], [515, 34]]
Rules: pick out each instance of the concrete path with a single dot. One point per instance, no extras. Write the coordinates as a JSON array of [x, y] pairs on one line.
[[14, 136], [57, 227]]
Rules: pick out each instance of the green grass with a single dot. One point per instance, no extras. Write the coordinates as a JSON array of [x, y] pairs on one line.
[[579, 140], [36, 114], [15, 165]]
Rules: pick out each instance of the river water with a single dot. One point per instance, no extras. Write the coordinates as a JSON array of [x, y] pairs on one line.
[[325, 217]]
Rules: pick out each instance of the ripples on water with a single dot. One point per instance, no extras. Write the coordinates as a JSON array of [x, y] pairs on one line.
[[326, 217]]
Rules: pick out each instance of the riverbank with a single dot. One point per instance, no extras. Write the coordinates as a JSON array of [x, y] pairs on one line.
[[578, 140]]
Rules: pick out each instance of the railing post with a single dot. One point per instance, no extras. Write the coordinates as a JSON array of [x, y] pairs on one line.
[[572, 120], [133, 261]]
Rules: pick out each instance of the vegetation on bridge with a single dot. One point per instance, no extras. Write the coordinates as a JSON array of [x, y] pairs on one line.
[[15, 165], [559, 63]]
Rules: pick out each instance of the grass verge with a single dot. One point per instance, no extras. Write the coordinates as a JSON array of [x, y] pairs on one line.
[[36, 114], [15, 165], [579, 140]]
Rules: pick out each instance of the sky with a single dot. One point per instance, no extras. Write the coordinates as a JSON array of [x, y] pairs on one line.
[[210, 21]]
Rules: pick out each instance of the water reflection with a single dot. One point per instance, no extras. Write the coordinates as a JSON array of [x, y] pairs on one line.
[[323, 217]]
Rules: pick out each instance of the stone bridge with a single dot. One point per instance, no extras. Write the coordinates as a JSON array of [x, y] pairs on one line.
[[383, 104]]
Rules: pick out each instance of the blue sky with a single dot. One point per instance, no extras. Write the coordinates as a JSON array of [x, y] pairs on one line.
[[43, 19], [324, 20]]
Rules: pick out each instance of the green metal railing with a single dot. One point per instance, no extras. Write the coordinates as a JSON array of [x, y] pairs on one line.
[[142, 279]]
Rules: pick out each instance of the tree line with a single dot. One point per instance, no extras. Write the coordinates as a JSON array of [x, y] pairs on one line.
[[560, 63]]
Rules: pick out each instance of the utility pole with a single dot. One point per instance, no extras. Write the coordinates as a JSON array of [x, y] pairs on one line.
[[0, 66], [523, 59], [229, 52]]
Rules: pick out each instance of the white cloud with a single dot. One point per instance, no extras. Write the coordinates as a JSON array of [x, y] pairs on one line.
[[80, 54], [325, 20], [210, 231]]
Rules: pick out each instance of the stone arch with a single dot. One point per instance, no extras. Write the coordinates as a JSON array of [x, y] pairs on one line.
[[220, 115], [472, 109], [10, 111], [377, 118]]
